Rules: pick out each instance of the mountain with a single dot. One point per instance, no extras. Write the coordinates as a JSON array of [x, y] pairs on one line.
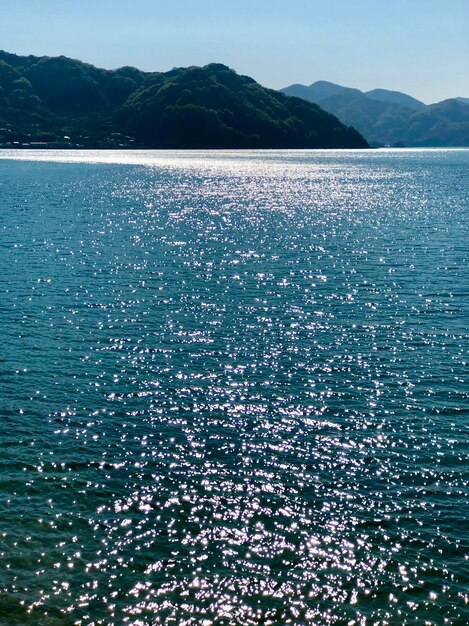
[[215, 107], [62, 102], [381, 122], [397, 97], [317, 91], [392, 118], [442, 124]]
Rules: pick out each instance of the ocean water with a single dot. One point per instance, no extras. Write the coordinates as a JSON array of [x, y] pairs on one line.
[[233, 388]]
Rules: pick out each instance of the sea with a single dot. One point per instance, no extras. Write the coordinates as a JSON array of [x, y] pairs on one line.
[[234, 388]]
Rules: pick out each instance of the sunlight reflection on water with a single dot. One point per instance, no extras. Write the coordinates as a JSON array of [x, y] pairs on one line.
[[234, 387]]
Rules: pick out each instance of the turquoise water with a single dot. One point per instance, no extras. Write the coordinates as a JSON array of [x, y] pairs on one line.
[[234, 388]]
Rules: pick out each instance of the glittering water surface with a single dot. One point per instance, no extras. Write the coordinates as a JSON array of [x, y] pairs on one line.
[[234, 388]]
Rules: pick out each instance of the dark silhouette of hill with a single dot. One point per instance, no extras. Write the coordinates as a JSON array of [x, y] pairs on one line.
[[61, 101], [392, 118]]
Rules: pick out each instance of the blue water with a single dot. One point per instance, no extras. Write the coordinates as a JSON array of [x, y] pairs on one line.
[[234, 388]]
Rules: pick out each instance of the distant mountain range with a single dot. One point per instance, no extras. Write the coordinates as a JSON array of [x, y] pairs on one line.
[[60, 102], [386, 117]]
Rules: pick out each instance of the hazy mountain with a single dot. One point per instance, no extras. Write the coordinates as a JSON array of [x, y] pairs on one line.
[[376, 120], [388, 117], [443, 124], [317, 91], [397, 97], [63, 100]]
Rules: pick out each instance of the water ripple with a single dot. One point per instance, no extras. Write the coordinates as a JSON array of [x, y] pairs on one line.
[[234, 388]]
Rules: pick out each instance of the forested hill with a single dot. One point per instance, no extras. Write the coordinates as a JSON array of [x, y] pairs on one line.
[[57, 101]]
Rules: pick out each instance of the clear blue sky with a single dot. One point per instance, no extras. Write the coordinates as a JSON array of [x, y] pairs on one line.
[[420, 47]]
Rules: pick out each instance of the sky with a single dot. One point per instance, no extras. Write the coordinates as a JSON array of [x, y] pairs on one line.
[[420, 47]]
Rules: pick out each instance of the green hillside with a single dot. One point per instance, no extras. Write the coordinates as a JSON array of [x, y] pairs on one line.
[[60, 101]]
